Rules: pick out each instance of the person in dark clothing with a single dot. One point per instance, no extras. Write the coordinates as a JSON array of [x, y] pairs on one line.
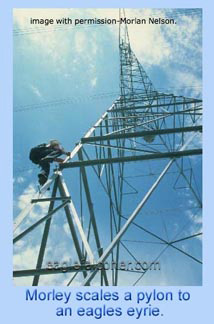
[[43, 155]]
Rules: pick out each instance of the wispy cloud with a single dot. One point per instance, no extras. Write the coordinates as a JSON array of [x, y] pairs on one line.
[[19, 180], [93, 82], [169, 46], [25, 198], [36, 91], [195, 222]]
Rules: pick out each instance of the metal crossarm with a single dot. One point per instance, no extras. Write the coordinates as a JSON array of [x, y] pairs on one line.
[[142, 133], [153, 156]]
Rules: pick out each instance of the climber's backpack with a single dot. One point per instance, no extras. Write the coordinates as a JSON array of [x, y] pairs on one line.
[[37, 153]]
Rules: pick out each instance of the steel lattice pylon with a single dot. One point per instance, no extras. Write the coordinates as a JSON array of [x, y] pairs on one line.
[[142, 126]]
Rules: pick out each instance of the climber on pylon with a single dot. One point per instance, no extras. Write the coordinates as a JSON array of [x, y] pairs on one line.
[[43, 155]]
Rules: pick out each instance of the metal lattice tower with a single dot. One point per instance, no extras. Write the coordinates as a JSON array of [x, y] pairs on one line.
[[144, 133]]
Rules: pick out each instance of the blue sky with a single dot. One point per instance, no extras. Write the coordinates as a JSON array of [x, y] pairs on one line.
[[64, 79]]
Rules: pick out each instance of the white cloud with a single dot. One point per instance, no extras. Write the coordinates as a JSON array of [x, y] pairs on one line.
[[196, 223], [26, 258], [56, 280], [93, 82], [22, 281], [80, 42], [34, 213], [19, 245], [25, 198], [148, 41], [20, 180], [36, 91], [188, 80], [28, 194], [66, 229]]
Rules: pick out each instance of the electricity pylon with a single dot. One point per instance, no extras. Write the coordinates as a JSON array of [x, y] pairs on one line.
[[144, 131]]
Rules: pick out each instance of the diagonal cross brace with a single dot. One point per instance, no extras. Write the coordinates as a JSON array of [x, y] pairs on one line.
[[73, 212]]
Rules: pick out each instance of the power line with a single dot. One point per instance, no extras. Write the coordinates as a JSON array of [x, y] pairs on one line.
[[58, 102], [65, 101]]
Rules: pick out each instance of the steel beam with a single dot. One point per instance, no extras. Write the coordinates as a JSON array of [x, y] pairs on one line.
[[71, 224], [43, 219], [62, 270], [33, 201], [91, 212], [71, 211], [141, 134], [152, 156], [158, 105], [45, 234]]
